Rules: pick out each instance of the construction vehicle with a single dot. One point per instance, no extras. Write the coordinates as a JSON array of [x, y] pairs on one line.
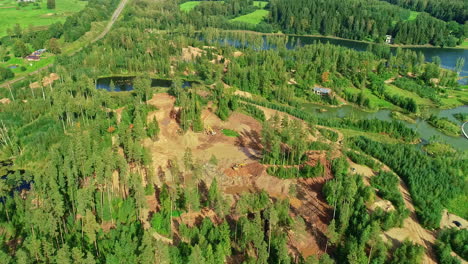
[[237, 166], [210, 131]]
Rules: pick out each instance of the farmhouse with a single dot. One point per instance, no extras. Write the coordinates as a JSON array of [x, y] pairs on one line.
[[322, 91]]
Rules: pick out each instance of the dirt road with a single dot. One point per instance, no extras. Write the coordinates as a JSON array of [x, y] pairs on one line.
[[114, 18]]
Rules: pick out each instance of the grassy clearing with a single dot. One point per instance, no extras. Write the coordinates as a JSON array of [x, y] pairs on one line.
[[438, 149], [253, 18], [260, 4], [464, 44], [230, 133], [392, 89], [413, 15], [187, 6], [455, 98], [36, 16], [30, 66], [348, 133], [458, 206], [375, 102]]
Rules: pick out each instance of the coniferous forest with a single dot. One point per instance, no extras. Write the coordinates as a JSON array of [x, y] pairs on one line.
[[181, 136]]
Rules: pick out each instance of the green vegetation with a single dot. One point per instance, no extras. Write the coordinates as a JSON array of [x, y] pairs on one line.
[[462, 117], [91, 176], [402, 117], [444, 125], [253, 18], [35, 14], [260, 4], [433, 181], [449, 240], [436, 148], [413, 15], [362, 159], [230, 133], [188, 6], [329, 134], [305, 171]]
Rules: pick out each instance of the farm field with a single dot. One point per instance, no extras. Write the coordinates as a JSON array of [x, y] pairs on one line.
[[35, 15], [253, 18]]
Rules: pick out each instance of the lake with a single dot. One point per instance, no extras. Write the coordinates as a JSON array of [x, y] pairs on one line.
[[448, 56], [125, 83], [425, 130]]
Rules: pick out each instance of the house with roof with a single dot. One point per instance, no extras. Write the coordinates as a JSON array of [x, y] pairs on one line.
[[322, 91]]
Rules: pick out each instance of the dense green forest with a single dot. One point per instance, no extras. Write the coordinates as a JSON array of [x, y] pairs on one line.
[[445, 10], [352, 19], [77, 177]]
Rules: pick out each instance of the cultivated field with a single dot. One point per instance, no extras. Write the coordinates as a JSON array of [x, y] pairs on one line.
[[35, 14]]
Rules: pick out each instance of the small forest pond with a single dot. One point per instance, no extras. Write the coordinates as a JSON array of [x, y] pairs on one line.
[[124, 84], [425, 130]]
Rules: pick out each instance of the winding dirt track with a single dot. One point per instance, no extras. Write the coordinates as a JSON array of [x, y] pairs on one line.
[[113, 19]]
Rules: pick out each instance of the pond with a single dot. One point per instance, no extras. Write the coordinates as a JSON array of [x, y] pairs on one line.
[[13, 66], [125, 83], [422, 127]]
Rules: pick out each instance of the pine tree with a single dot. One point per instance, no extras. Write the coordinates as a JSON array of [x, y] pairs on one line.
[[50, 4]]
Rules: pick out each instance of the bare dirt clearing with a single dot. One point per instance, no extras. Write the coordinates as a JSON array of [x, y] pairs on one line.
[[233, 181]]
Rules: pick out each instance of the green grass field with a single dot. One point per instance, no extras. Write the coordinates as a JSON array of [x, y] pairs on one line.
[[35, 15], [253, 18], [413, 15], [393, 90], [260, 4], [375, 102], [230, 133], [187, 6]]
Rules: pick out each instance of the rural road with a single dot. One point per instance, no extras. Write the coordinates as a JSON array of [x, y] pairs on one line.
[[106, 30]]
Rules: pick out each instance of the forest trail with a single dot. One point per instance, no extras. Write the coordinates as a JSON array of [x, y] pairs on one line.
[[113, 19]]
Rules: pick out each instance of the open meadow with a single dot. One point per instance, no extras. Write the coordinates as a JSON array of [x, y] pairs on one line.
[[35, 14]]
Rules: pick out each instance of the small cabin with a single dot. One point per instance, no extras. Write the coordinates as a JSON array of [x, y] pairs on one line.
[[322, 91], [388, 39]]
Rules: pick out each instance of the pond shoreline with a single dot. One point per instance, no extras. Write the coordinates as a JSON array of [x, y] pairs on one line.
[[340, 38]]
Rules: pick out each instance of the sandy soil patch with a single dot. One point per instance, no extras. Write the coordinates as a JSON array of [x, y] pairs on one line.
[[5, 101], [448, 220]]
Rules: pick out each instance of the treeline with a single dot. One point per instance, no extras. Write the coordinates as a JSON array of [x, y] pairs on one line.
[[362, 159], [363, 20], [432, 182], [387, 187], [284, 141], [304, 171], [394, 129], [6, 74], [449, 240], [445, 10], [354, 231]]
